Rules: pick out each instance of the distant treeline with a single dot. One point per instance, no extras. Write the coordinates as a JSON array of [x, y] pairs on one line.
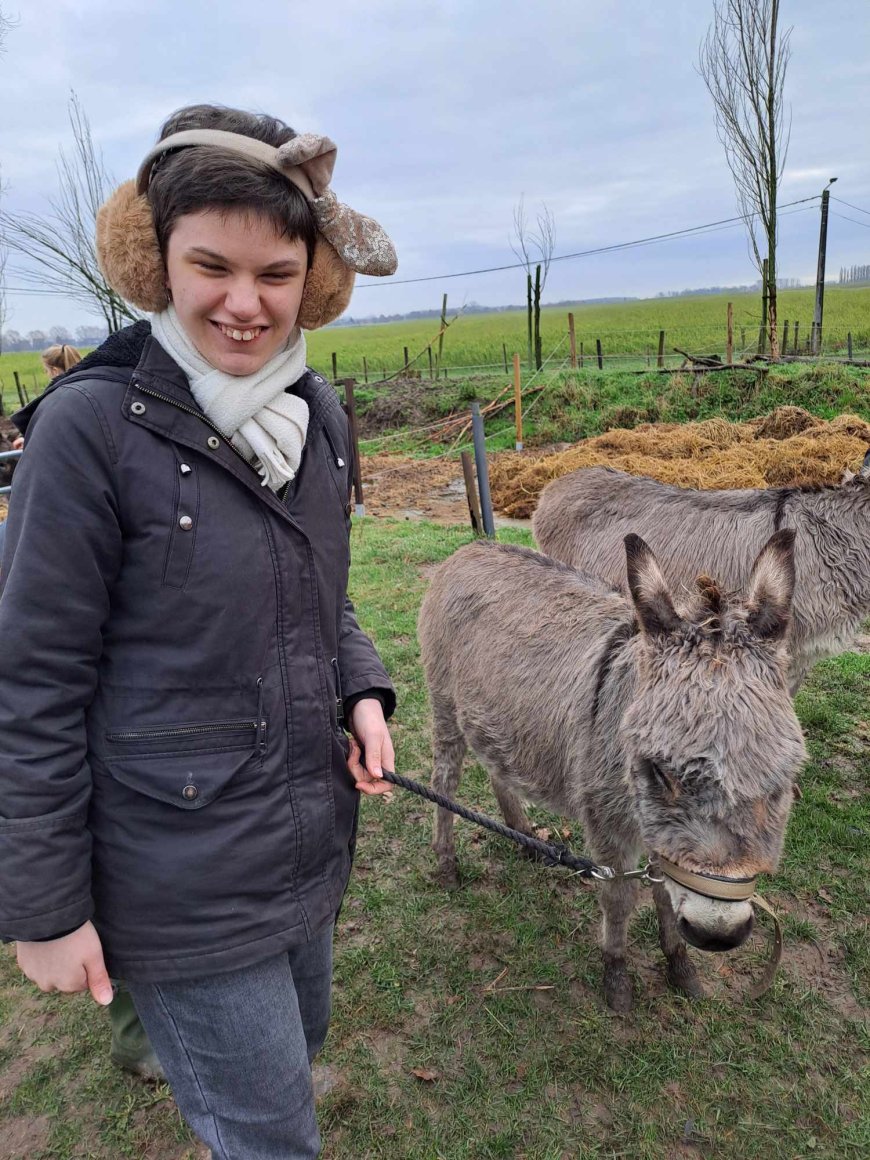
[[12, 340], [851, 274], [755, 288]]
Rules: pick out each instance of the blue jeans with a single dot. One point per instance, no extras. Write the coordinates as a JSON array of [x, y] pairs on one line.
[[237, 1050]]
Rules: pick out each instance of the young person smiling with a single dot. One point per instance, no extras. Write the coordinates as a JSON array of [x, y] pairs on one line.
[[178, 798]]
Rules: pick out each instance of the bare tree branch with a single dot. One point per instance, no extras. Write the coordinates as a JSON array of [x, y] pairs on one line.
[[743, 62], [60, 246], [523, 240]]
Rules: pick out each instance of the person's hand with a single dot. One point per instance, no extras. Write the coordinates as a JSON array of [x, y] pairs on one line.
[[72, 963], [18, 444], [370, 733]]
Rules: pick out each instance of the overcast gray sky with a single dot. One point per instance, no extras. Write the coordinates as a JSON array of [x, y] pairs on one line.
[[445, 114]]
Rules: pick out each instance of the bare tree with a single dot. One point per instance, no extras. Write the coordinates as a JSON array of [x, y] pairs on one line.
[[60, 247], [743, 61], [525, 240]]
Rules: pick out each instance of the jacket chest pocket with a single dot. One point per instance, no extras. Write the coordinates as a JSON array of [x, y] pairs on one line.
[[182, 532]]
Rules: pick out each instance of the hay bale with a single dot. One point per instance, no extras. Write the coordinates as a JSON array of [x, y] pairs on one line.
[[785, 422], [711, 454], [847, 425]]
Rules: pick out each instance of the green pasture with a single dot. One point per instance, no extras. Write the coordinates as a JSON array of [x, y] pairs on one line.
[[469, 1025], [629, 334]]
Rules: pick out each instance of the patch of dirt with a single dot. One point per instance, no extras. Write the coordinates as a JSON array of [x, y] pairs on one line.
[[403, 487], [23, 1136]]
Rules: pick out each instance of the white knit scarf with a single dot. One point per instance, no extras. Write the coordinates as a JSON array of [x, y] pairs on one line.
[[264, 422]]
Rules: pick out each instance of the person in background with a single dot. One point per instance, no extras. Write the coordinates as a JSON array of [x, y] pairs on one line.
[[57, 360], [178, 794]]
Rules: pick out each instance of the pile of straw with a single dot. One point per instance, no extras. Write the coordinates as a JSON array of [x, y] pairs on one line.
[[787, 447]]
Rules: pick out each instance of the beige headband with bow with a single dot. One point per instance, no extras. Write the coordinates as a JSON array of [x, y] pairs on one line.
[[347, 242]]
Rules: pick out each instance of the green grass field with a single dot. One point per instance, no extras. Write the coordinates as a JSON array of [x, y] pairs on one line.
[[493, 992]]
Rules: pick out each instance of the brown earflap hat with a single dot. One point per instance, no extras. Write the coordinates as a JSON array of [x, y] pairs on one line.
[[347, 242]]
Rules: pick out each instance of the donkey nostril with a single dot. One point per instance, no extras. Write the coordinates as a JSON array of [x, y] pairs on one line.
[[715, 940]]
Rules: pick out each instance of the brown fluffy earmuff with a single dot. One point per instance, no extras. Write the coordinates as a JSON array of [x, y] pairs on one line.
[[131, 262]]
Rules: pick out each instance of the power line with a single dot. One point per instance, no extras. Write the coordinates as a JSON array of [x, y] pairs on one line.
[[854, 221], [708, 227], [849, 204]]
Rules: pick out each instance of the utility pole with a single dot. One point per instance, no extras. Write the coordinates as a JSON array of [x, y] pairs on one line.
[[816, 343]]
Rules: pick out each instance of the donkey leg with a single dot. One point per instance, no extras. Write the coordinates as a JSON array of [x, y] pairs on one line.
[[618, 900], [449, 746], [681, 973]]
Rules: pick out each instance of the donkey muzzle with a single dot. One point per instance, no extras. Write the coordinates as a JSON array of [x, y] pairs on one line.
[[713, 911]]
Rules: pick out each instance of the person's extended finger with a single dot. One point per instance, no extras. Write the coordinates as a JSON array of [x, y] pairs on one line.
[[374, 749], [98, 982]]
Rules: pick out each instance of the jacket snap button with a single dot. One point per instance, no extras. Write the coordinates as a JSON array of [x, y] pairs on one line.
[[185, 523], [185, 468], [213, 442], [190, 792], [137, 408]]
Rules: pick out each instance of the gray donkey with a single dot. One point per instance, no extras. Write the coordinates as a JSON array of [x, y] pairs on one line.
[[582, 517], [664, 725]]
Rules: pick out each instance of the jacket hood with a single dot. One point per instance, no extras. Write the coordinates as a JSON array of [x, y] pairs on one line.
[[121, 349]]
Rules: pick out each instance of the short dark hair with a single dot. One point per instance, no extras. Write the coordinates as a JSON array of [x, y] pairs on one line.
[[201, 177]]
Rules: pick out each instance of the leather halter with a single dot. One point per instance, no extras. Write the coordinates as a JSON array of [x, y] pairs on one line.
[[711, 885]]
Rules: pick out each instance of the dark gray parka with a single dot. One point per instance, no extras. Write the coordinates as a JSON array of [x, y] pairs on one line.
[[176, 642]]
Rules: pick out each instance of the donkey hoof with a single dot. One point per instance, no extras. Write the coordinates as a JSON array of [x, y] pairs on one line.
[[447, 875], [683, 977], [618, 991]]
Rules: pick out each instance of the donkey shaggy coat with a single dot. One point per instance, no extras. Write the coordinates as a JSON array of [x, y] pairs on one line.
[[665, 726], [582, 517]]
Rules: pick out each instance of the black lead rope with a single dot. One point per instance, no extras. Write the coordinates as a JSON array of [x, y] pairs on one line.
[[549, 853]]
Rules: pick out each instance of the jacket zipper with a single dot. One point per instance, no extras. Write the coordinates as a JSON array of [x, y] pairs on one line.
[[261, 720], [282, 494], [197, 415], [186, 730], [339, 700]]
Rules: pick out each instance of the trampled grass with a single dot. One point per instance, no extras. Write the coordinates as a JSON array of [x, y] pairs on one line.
[[493, 992]]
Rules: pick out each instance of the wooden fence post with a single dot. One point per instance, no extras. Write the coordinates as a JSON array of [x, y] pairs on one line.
[[785, 337], [443, 328], [334, 368], [365, 368], [573, 339], [581, 355], [742, 338], [360, 509], [849, 344], [471, 493], [660, 361], [796, 326], [518, 403], [504, 354], [405, 371], [598, 350], [431, 364], [729, 336], [22, 396]]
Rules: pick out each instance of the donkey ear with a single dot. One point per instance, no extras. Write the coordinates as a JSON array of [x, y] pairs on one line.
[[649, 589], [771, 586]]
